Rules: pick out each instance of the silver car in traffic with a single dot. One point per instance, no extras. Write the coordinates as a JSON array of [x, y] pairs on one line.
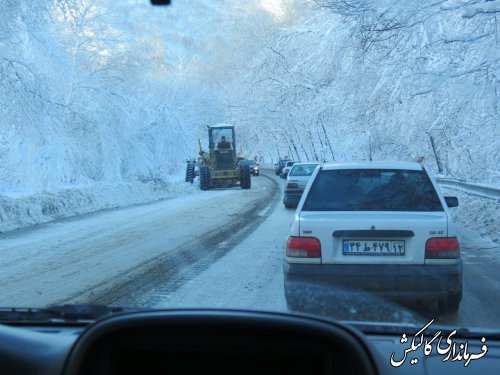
[[296, 182]]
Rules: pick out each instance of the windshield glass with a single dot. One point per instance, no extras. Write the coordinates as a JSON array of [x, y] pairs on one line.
[[222, 136], [372, 190], [303, 169], [248, 162], [112, 194]]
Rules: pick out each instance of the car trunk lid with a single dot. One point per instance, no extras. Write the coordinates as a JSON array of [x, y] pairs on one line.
[[373, 238]]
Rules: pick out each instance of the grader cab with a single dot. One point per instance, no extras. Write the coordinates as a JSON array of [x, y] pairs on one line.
[[218, 166]]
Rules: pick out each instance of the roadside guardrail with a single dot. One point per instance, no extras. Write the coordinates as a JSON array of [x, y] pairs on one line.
[[485, 191]]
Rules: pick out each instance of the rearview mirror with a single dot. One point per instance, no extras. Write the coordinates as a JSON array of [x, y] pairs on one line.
[[451, 201]]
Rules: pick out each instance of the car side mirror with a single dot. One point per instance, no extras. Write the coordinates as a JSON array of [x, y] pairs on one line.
[[451, 201]]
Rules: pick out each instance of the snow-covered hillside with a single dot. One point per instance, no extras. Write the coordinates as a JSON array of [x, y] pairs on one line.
[[383, 80], [100, 93]]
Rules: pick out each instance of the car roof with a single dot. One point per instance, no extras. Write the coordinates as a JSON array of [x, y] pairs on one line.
[[308, 163], [221, 125], [374, 165]]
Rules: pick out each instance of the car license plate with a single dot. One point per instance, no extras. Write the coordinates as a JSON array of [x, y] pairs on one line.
[[373, 247]]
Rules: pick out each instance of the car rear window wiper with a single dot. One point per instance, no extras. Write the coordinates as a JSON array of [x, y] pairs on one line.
[[84, 313]]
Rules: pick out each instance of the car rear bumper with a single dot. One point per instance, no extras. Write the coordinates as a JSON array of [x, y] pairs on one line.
[[292, 197], [396, 281], [291, 200], [297, 192]]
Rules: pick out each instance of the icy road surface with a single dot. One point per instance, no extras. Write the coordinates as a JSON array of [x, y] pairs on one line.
[[91, 258], [221, 248]]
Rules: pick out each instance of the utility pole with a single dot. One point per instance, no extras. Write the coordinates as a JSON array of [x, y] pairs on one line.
[[438, 161], [370, 146]]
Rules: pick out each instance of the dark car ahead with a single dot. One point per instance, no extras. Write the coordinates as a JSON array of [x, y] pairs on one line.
[[252, 165]]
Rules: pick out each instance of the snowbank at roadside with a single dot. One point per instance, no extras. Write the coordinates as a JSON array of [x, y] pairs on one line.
[[21, 211], [479, 214]]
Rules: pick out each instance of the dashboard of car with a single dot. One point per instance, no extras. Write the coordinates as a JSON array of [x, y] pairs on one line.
[[213, 341]]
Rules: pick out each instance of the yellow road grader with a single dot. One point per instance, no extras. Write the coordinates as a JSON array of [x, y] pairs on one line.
[[218, 167]]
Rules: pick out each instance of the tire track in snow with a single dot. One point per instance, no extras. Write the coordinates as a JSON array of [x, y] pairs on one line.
[[150, 282]]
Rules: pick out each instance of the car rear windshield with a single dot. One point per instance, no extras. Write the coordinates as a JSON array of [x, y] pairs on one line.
[[303, 170], [372, 190], [248, 162]]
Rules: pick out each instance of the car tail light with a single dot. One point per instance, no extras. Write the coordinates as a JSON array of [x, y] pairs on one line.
[[442, 248], [303, 247], [292, 185]]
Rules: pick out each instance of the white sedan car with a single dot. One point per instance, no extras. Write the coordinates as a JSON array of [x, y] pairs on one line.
[[284, 172], [296, 182], [383, 228]]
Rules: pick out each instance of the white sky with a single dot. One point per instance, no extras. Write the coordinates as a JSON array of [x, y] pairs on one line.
[[275, 7]]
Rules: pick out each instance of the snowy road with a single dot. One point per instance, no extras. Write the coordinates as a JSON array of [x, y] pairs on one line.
[[94, 257], [219, 248]]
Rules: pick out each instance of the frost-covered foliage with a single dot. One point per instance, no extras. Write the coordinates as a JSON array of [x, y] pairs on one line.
[[108, 93], [100, 98], [482, 215], [386, 79], [99, 91]]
